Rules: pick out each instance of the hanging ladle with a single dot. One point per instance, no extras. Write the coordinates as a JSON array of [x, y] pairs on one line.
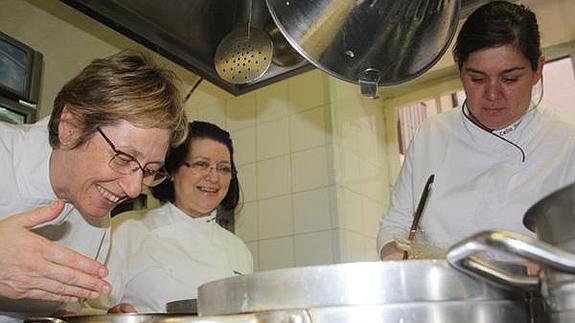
[[244, 54]]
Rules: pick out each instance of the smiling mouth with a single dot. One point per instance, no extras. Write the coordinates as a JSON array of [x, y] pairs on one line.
[[108, 195], [207, 189]]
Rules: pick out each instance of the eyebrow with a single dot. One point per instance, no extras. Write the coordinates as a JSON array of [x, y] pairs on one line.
[[509, 70], [138, 154], [210, 160]]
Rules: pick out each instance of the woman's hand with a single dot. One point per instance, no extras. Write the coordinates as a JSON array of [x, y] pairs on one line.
[[122, 308], [32, 267], [390, 251]]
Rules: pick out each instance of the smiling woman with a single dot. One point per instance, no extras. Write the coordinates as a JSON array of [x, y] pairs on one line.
[[139, 108], [164, 255], [137, 104]]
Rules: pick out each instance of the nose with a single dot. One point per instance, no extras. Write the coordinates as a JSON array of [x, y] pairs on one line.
[[212, 174], [132, 184], [493, 90]]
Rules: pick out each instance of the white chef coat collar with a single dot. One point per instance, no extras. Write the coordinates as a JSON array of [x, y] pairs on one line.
[[34, 173], [510, 130], [513, 135], [179, 215]]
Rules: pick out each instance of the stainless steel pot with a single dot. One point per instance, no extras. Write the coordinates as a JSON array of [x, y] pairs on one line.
[[263, 317], [407, 291], [111, 318], [553, 220], [184, 306]]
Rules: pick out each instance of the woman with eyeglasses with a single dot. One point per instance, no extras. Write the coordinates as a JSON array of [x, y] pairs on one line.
[[165, 254], [106, 139]]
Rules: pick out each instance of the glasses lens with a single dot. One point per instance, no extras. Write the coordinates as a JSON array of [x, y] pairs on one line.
[[123, 165], [224, 170]]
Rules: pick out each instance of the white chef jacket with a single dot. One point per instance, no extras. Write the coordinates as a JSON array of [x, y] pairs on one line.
[[165, 255], [481, 182], [24, 185]]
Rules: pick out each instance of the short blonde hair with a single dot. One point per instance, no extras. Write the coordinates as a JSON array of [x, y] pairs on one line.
[[125, 86]]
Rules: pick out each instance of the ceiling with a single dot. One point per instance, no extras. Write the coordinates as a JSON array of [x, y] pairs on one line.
[[189, 31]]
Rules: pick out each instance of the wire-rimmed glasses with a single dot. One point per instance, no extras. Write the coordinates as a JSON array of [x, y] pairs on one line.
[[126, 164], [204, 167]]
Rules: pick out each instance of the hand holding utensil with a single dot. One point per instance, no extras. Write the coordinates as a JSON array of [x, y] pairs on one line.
[[419, 211]]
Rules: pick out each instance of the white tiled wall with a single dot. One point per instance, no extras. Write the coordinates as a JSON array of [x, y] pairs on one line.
[[308, 129], [241, 112], [273, 177], [247, 222], [361, 168], [273, 138], [310, 167], [275, 217], [248, 181], [272, 102], [316, 248], [313, 210], [245, 138], [276, 253]]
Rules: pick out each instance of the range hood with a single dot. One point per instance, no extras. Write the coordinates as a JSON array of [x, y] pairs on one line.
[[189, 31], [186, 32]]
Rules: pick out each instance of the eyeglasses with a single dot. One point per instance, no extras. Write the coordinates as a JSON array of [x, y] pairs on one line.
[[204, 167], [127, 164]]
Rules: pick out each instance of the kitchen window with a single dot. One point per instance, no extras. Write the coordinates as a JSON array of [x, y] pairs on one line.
[[410, 116], [558, 93], [558, 85]]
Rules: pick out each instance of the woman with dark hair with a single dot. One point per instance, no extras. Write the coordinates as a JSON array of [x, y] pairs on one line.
[[496, 155], [165, 192], [168, 252]]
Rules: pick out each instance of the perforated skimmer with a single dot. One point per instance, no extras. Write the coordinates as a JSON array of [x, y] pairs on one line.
[[244, 54]]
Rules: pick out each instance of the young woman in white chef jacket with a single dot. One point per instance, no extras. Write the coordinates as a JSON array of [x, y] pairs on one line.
[[164, 255], [496, 155]]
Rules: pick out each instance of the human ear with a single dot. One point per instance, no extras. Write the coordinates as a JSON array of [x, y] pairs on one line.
[[539, 70], [456, 61], [68, 128]]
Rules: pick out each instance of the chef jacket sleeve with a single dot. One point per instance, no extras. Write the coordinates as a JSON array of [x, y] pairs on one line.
[[396, 220], [127, 236]]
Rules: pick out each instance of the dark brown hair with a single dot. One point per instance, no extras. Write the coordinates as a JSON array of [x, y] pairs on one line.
[[496, 24]]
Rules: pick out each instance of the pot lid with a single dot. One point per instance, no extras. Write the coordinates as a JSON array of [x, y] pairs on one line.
[[384, 42]]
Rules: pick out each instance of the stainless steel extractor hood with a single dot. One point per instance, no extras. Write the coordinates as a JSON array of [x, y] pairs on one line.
[[186, 32], [189, 31]]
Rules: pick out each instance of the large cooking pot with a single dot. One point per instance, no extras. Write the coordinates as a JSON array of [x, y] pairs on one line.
[[553, 220], [261, 317], [416, 291], [399, 291]]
